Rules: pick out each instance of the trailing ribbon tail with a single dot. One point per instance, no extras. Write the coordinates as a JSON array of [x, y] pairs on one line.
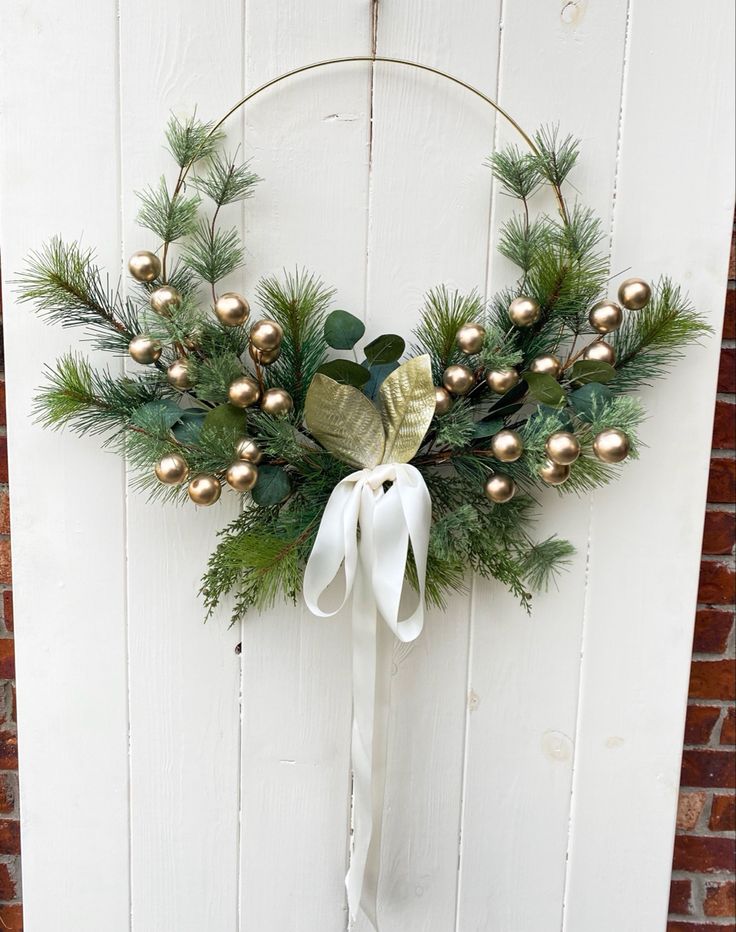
[[374, 563]]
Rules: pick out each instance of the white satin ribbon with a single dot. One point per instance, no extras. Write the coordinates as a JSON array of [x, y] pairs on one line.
[[367, 531]]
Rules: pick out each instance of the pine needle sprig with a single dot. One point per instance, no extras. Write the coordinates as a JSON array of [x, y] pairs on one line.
[[170, 217], [443, 314], [518, 172], [212, 375], [226, 180], [212, 253], [455, 428], [520, 241], [190, 139], [556, 157]]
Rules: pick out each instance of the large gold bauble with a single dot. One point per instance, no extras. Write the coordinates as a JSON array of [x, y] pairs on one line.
[[244, 392], [264, 357], [165, 299], [547, 365], [501, 381], [144, 266], [277, 402], [605, 316], [563, 447], [611, 446], [524, 312], [554, 473], [232, 309], [144, 349], [507, 446], [178, 374], [470, 338], [500, 488], [266, 335], [442, 400], [172, 469], [634, 293], [458, 380], [204, 489], [600, 352], [242, 476], [249, 450]]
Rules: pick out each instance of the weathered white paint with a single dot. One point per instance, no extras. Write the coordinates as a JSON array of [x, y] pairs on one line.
[[169, 785]]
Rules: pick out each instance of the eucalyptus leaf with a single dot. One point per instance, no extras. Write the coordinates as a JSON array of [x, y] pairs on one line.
[[226, 418], [386, 348], [163, 411], [189, 427], [590, 370], [343, 330], [346, 372], [378, 374], [590, 396], [272, 487], [487, 428], [544, 388]]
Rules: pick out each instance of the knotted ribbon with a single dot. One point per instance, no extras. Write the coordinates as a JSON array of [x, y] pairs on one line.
[[367, 531]]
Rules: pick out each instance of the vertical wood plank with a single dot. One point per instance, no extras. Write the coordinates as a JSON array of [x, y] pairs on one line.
[[60, 175], [309, 141], [672, 217], [184, 676]]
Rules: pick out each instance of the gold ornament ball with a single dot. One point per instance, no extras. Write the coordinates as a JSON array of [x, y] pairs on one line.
[[605, 317], [507, 446], [244, 392], [442, 400], [611, 446], [242, 476], [264, 357], [524, 312], [600, 352], [172, 469], [470, 338], [277, 402], [554, 473], [500, 488], [144, 349], [458, 380], [248, 450], [178, 374], [501, 381], [547, 365], [634, 293], [563, 447], [204, 489], [232, 309], [165, 299], [266, 335], [144, 266]]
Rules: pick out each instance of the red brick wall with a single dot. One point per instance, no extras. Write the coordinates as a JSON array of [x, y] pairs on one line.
[[702, 896]]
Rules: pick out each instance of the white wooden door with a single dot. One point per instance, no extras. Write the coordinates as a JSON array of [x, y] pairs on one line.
[[169, 784]]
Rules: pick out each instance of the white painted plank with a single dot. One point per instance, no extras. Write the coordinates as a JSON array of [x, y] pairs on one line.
[[309, 141], [184, 676], [558, 65], [672, 217], [60, 174]]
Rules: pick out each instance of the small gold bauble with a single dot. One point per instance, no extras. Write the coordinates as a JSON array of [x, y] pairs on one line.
[[165, 299], [276, 401], [194, 337], [611, 446], [600, 352], [524, 311], [242, 476], [458, 380], [204, 489], [501, 381], [247, 449], [144, 349], [172, 469], [470, 338], [244, 392], [264, 357], [605, 317], [634, 293], [500, 488], [178, 374], [232, 309], [266, 335], [507, 446], [144, 266], [547, 365], [554, 473], [563, 447], [442, 400]]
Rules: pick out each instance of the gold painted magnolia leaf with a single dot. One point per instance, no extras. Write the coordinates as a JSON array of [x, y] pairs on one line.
[[406, 403], [344, 421]]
